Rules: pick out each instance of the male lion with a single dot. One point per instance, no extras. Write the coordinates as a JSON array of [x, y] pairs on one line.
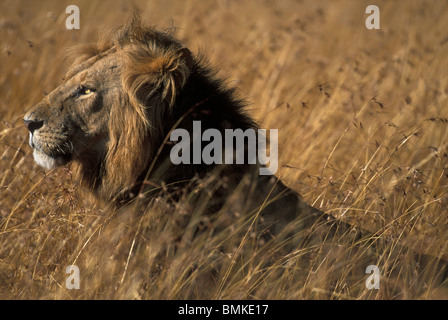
[[112, 116], [118, 104]]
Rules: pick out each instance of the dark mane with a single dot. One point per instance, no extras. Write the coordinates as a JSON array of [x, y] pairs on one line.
[[194, 92]]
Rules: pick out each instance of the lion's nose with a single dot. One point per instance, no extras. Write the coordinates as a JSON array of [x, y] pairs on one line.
[[33, 124]]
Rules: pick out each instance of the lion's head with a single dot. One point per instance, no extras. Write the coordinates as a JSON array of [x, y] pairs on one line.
[[117, 104]]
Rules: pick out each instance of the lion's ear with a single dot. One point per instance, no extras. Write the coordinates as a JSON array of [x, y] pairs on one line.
[[162, 73]]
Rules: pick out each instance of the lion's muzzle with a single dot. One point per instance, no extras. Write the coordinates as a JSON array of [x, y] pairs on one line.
[[47, 154]]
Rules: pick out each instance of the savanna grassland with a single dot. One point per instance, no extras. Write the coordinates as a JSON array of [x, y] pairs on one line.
[[363, 126]]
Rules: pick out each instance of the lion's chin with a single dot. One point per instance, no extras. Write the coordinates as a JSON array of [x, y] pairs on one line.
[[49, 162]]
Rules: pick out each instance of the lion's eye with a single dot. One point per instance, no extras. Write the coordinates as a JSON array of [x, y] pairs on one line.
[[83, 91]]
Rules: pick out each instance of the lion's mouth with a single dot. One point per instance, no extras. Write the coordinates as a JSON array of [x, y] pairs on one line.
[[50, 161], [47, 159]]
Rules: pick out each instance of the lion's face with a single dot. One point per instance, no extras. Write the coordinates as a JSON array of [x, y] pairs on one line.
[[71, 122], [108, 114]]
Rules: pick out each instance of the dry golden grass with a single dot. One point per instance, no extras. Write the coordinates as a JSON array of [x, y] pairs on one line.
[[362, 119]]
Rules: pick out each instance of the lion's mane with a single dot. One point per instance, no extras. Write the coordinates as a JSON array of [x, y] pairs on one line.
[[163, 86]]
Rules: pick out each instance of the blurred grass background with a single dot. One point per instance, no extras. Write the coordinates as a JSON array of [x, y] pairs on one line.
[[362, 119]]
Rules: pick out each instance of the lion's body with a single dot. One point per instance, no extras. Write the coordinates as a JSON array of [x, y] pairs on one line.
[[118, 104]]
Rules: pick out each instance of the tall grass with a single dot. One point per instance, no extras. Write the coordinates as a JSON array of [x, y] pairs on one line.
[[362, 119]]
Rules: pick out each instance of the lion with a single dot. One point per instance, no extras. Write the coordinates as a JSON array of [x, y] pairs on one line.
[[112, 117], [116, 107]]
